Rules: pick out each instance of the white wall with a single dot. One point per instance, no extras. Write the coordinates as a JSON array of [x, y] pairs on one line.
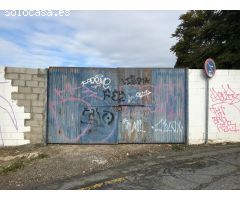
[[11, 116], [197, 106], [224, 106]]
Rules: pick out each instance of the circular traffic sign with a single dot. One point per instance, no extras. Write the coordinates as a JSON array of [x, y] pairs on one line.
[[210, 67]]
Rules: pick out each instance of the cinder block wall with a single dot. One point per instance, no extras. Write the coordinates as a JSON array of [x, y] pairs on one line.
[[223, 109], [31, 94]]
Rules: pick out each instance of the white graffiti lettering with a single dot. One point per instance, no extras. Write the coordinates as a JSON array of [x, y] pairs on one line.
[[131, 98], [168, 126], [98, 80], [136, 126], [143, 94]]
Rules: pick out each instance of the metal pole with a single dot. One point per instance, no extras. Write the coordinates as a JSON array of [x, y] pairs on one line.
[[207, 111]]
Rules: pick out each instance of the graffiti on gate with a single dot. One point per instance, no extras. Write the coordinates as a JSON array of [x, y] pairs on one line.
[[94, 116], [225, 107], [135, 80], [90, 117], [143, 94], [165, 126], [94, 106], [115, 95], [97, 81], [135, 126]]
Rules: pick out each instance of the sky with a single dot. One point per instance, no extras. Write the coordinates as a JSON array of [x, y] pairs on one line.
[[89, 39]]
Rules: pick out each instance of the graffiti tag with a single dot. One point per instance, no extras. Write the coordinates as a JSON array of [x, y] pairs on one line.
[[168, 126], [97, 81], [115, 95], [134, 80], [227, 95], [221, 120], [143, 94], [136, 126], [93, 116], [222, 101]]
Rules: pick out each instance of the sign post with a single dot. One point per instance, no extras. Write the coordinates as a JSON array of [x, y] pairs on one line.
[[210, 69]]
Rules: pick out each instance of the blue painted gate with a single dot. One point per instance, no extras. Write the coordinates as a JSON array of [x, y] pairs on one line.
[[124, 105], [82, 106]]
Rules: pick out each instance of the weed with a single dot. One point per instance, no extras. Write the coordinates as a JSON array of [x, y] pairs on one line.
[[20, 163], [12, 167], [177, 147]]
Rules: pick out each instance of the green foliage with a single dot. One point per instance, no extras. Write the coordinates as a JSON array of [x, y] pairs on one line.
[[204, 34], [178, 147], [12, 167], [20, 163]]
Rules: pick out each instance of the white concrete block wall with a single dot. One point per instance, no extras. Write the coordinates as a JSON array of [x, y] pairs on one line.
[[197, 106], [11, 116], [224, 106]]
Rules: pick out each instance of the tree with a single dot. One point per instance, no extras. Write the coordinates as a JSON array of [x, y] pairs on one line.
[[204, 34]]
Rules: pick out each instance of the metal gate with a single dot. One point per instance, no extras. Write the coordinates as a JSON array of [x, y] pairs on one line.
[[82, 106], [124, 105]]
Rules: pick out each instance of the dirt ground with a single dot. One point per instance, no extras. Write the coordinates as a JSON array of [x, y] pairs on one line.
[[33, 166], [25, 166]]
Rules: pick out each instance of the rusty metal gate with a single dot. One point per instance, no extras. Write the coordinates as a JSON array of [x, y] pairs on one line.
[[124, 105]]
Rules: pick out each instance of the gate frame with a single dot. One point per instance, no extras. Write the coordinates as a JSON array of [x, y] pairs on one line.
[[186, 104]]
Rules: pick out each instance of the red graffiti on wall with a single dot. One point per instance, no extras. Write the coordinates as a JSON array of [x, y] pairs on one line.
[[222, 101]]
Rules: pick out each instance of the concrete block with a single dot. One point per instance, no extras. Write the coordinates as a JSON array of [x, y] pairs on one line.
[[17, 96], [14, 70], [27, 109], [25, 103], [37, 117], [32, 83], [36, 140], [12, 76], [37, 109], [37, 130], [37, 103], [41, 84], [41, 97], [31, 96], [21, 70], [31, 122], [18, 82], [24, 89], [25, 77], [42, 71], [27, 135], [38, 90], [31, 71], [38, 78]]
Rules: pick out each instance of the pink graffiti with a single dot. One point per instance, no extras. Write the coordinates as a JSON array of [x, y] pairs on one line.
[[221, 100], [227, 95], [221, 120], [68, 95]]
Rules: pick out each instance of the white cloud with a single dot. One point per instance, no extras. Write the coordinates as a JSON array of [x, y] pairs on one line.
[[92, 38]]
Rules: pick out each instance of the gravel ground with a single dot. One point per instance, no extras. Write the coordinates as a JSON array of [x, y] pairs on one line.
[[38, 166], [43, 164]]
